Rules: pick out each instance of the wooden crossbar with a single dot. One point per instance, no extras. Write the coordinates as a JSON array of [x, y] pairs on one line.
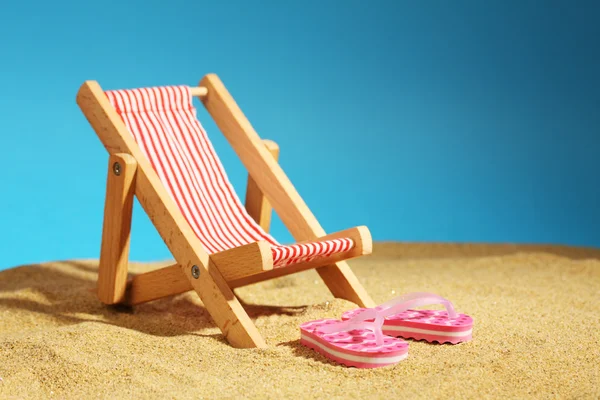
[[199, 91]]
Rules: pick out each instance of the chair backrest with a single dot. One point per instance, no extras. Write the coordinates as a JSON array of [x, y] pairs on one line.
[[164, 123]]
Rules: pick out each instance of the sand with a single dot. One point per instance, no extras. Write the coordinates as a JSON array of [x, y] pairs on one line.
[[536, 333]]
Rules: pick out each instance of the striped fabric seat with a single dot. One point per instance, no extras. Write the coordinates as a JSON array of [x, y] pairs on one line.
[[163, 122]]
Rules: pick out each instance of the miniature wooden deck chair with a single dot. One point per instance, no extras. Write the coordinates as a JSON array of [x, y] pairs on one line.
[[159, 152]]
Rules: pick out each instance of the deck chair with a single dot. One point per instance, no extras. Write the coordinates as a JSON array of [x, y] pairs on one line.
[[160, 153]]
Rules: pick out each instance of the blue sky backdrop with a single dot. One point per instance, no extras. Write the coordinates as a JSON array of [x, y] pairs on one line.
[[468, 121]]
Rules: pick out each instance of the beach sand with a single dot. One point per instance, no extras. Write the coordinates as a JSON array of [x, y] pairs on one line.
[[536, 332]]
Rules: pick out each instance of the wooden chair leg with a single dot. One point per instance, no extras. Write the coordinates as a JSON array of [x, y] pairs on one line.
[[343, 284], [118, 209], [257, 205]]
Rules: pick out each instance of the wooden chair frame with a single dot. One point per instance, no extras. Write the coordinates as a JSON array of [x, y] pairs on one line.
[[213, 276]]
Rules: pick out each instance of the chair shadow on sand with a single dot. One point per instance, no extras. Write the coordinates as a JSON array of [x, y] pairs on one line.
[[66, 293]]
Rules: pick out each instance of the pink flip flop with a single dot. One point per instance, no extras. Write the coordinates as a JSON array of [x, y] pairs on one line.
[[354, 342], [401, 320]]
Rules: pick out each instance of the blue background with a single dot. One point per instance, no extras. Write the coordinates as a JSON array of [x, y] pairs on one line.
[[469, 121]]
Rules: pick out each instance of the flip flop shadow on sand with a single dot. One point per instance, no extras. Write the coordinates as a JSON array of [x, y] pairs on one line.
[[64, 292], [301, 351]]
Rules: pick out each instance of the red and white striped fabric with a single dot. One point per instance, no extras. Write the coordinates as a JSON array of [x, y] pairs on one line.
[[163, 122]]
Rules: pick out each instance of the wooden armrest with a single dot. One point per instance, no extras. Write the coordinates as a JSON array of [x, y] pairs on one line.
[[363, 245], [243, 261]]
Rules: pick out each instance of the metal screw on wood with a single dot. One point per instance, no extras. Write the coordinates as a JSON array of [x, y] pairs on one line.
[[195, 272], [117, 168]]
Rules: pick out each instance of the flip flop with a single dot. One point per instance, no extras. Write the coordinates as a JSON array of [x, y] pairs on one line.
[[401, 320], [354, 342]]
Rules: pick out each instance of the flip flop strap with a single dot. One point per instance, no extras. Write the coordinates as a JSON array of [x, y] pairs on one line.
[[358, 322], [412, 300], [373, 318]]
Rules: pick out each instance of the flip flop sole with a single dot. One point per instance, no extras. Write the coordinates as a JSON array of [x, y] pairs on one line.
[[355, 348], [429, 325], [428, 335]]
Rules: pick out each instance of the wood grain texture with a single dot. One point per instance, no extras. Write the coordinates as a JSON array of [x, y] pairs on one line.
[[257, 205], [276, 186], [156, 284], [242, 261], [211, 287], [116, 228]]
